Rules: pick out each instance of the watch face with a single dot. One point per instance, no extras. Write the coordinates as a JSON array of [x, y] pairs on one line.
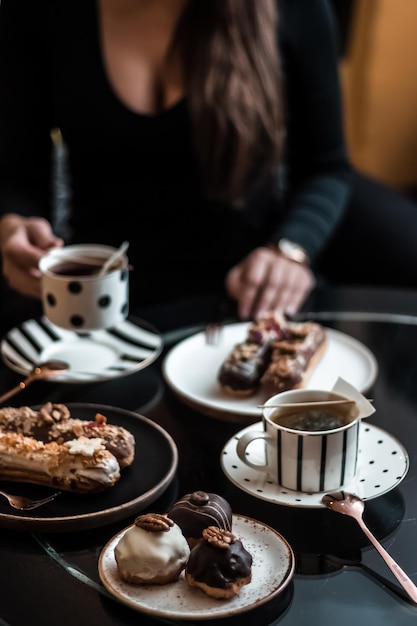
[[292, 251]]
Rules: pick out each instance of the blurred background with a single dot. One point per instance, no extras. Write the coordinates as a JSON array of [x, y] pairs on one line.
[[378, 69], [378, 66]]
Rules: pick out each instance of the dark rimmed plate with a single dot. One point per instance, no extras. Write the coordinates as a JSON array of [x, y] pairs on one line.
[[154, 467]]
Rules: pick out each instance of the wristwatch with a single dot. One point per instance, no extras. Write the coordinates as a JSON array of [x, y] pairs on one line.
[[291, 250]]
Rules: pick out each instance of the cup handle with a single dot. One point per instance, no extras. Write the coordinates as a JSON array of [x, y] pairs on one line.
[[242, 445]]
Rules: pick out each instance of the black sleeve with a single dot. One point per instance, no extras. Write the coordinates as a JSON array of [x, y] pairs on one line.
[[25, 138], [317, 166]]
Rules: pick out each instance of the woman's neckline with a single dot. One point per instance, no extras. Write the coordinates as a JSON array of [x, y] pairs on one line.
[[99, 51]]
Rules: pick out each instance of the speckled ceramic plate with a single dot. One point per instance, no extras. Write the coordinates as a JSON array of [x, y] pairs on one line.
[[191, 367], [272, 569], [92, 356], [382, 464]]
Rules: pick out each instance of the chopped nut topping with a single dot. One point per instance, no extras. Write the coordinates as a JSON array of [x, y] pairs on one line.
[[281, 367], [101, 419], [243, 352], [154, 522], [218, 537], [54, 412], [286, 346]]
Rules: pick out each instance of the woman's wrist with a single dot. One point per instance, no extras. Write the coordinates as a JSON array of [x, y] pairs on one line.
[[291, 251]]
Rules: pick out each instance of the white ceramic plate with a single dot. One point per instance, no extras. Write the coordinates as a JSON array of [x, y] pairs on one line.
[[191, 367], [382, 464], [272, 569], [92, 356]]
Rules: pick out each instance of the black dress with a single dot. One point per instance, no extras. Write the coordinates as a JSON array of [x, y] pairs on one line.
[[135, 176]]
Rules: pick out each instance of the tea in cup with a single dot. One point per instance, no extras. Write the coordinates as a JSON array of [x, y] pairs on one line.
[[311, 444], [75, 296]]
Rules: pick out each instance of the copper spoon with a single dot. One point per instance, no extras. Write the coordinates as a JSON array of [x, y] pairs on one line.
[[48, 369], [117, 254], [350, 504]]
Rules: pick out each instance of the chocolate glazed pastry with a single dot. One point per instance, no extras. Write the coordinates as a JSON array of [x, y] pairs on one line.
[[219, 565], [294, 357], [195, 511], [241, 372]]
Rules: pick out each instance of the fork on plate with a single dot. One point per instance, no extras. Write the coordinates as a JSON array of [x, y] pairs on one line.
[[24, 504], [225, 311]]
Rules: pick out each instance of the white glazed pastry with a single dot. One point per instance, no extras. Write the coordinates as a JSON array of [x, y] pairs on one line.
[[82, 465], [152, 551]]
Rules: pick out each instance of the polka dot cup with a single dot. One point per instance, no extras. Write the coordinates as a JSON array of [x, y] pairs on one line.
[[75, 296]]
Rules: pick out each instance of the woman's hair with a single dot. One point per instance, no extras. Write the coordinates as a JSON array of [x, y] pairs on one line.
[[233, 85]]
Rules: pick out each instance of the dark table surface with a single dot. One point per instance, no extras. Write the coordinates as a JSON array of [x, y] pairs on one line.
[[52, 577]]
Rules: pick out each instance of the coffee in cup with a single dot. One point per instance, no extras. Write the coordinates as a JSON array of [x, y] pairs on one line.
[[310, 436], [75, 296]]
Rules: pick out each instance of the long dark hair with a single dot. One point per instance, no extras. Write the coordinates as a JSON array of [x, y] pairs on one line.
[[233, 84]]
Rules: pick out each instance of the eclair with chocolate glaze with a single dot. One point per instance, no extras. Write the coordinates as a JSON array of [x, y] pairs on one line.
[[294, 357], [241, 372], [276, 356]]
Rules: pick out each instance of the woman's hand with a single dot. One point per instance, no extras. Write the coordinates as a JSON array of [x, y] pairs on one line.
[[267, 281], [23, 241]]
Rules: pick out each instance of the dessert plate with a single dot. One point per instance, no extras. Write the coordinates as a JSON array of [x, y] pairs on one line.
[[153, 469], [191, 367], [382, 464], [93, 356], [272, 570]]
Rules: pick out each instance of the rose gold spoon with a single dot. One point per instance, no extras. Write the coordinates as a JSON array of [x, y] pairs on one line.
[[48, 369], [350, 504]]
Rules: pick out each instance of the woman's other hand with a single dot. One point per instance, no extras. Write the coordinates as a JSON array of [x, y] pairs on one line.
[[267, 281], [23, 241]]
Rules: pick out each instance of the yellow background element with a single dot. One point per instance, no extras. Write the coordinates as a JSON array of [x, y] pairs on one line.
[[379, 79]]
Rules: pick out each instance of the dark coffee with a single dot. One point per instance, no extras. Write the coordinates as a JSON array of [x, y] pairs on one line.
[[311, 421], [77, 268]]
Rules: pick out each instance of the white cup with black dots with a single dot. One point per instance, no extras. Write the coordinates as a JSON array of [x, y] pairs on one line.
[[76, 296]]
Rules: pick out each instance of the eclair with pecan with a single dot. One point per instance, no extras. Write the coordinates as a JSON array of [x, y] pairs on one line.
[[54, 423], [81, 465]]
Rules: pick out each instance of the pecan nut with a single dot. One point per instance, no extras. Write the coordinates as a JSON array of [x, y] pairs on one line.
[[54, 412], [218, 537], [154, 522]]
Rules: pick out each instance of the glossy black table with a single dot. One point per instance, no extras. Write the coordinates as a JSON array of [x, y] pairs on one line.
[[52, 578]]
